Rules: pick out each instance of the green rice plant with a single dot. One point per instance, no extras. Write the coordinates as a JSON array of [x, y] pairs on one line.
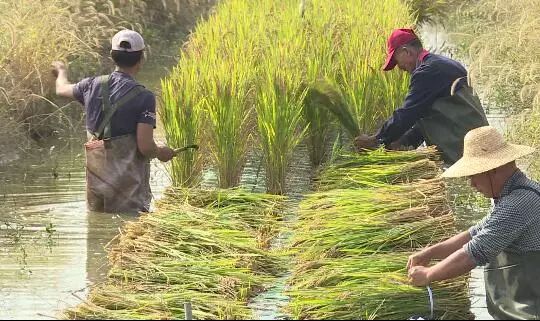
[[181, 115], [300, 69], [371, 94], [279, 112], [371, 287], [429, 11], [328, 100], [228, 112]]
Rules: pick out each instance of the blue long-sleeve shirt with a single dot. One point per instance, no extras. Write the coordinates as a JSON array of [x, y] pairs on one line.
[[431, 80]]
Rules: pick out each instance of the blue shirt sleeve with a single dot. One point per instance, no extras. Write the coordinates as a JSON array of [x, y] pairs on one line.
[[82, 88], [426, 87], [147, 113], [505, 224]]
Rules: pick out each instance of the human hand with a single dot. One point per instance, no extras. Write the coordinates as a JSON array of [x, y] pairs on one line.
[[418, 259], [165, 153], [365, 142], [58, 66], [419, 276]]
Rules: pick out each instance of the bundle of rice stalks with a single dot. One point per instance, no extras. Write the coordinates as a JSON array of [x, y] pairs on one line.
[[115, 301], [340, 176], [371, 287], [352, 244], [381, 156], [205, 254], [186, 232], [261, 214]]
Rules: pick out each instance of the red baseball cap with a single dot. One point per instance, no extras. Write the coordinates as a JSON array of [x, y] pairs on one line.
[[398, 38]]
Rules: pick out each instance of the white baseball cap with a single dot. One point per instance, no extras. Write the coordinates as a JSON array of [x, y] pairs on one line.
[[134, 38]]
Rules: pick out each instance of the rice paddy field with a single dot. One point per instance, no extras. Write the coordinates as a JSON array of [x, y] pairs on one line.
[[275, 200]]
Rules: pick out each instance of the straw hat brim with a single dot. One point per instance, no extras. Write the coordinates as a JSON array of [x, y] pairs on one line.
[[472, 165]]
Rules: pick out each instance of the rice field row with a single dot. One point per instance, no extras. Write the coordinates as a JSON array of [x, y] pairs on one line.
[[276, 77]]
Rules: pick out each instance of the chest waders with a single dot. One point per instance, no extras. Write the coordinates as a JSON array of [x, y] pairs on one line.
[[117, 174], [513, 284], [450, 119]]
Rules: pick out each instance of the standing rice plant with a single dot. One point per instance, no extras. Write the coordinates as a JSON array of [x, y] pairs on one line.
[[228, 110], [181, 114], [279, 112], [371, 94]]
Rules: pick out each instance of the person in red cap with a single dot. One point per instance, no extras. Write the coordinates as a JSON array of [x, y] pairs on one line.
[[440, 108]]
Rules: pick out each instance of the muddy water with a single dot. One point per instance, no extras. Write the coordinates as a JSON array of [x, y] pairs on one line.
[[51, 249]]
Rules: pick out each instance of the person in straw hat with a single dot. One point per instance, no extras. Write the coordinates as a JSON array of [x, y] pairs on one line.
[[507, 241]]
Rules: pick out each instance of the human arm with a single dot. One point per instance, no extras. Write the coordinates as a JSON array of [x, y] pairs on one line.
[[63, 86], [458, 263], [427, 85], [439, 251], [148, 147]]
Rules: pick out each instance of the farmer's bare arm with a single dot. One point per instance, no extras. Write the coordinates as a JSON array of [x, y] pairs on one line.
[[63, 87], [457, 264], [147, 146], [439, 251]]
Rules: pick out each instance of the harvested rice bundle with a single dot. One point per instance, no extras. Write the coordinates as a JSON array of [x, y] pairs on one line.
[[363, 221], [334, 177], [260, 214], [207, 255], [342, 237], [370, 287], [381, 156], [190, 233], [114, 301]]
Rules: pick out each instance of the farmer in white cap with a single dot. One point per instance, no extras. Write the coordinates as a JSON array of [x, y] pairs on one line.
[[120, 120], [507, 241]]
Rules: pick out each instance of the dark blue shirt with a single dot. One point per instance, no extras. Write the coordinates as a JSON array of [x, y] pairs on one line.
[[431, 80], [141, 109]]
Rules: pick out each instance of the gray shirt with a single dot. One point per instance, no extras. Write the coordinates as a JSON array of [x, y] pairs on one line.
[[513, 224]]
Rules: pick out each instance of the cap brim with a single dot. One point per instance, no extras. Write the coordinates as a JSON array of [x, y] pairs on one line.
[[469, 166], [389, 64]]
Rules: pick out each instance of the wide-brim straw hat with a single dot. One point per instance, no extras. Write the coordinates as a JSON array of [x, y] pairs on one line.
[[485, 149]]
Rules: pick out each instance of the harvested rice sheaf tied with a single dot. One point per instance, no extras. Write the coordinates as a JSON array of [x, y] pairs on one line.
[[371, 175], [371, 287], [354, 236], [206, 254], [117, 301]]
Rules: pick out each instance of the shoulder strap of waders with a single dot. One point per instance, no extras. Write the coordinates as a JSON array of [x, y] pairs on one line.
[[537, 192], [104, 129]]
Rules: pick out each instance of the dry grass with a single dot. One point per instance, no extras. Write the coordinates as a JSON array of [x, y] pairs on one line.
[[35, 33], [500, 44]]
